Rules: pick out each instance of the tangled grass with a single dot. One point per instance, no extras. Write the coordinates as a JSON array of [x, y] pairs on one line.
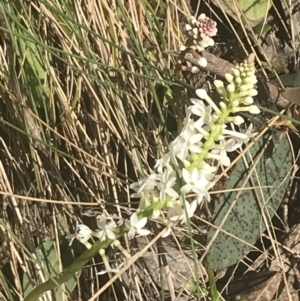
[[84, 92], [85, 108]]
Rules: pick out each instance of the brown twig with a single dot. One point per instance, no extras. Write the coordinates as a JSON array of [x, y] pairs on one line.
[[219, 66]]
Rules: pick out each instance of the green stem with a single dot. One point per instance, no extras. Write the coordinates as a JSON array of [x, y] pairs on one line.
[[213, 291], [214, 294]]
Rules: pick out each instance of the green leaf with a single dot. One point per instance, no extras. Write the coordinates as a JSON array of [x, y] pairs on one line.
[[292, 94], [168, 96], [152, 56], [296, 82], [261, 28], [48, 261], [73, 269], [268, 183], [194, 288], [255, 9], [34, 69], [33, 57]]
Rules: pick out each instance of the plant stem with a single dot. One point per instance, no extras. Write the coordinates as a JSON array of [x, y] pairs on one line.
[[213, 291]]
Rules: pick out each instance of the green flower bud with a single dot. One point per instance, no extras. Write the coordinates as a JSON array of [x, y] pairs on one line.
[[238, 81], [229, 77], [236, 73], [231, 88], [248, 100]]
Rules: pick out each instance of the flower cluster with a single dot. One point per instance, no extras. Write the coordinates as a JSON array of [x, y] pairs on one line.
[[184, 169], [184, 175], [200, 32]]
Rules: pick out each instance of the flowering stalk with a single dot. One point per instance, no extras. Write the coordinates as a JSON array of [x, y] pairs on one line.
[[184, 169], [204, 136]]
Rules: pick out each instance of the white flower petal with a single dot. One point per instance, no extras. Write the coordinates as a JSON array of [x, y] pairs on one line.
[[141, 223], [167, 233], [143, 231]]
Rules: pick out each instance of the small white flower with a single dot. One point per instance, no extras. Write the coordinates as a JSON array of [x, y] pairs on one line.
[[201, 17], [135, 226], [220, 153], [234, 134], [178, 213], [155, 214], [247, 100], [165, 186], [199, 109], [230, 88], [196, 182], [228, 145], [106, 229], [201, 93], [208, 171], [165, 162], [188, 122], [146, 199], [188, 27], [146, 183], [182, 48], [253, 92], [238, 120], [207, 41], [246, 137], [251, 109], [218, 84], [192, 180], [167, 233], [186, 142], [249, 132], [83, 234], [229, 77], [238, 81], [193, 20], [236, 72]]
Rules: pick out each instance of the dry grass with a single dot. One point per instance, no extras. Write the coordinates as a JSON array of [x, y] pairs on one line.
[[83, 113], [79, 84]]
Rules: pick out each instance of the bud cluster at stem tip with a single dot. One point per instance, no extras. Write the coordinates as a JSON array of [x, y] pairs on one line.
[[201, 30]]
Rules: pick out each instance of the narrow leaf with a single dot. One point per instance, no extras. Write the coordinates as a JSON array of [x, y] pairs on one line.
[[48, 261]]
